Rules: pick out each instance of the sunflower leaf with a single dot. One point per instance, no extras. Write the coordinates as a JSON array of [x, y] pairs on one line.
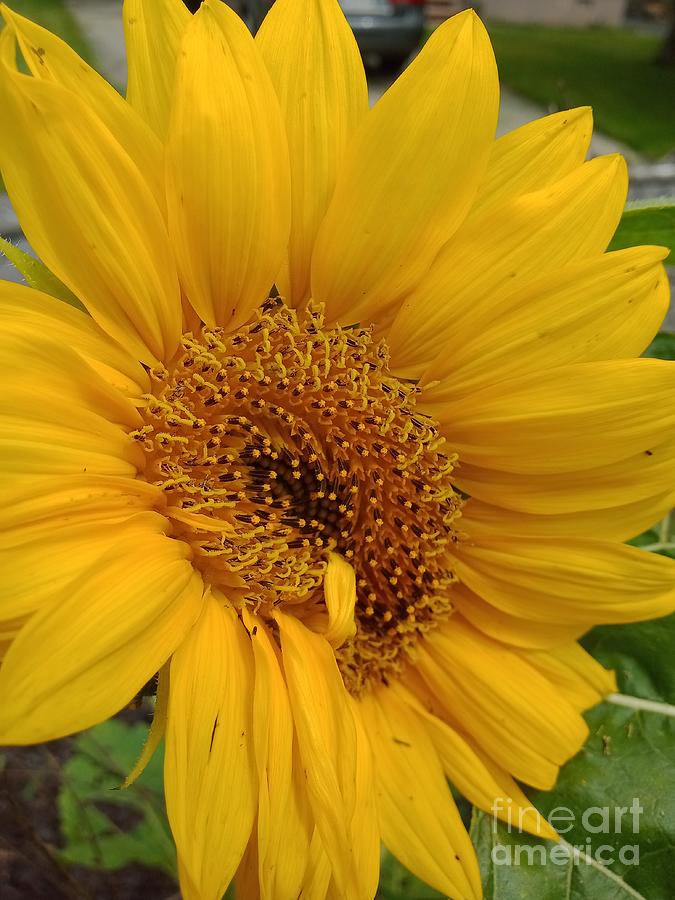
[[615, 801], [37, 275], [662, 347], [516, 866], [397, 883], [104, 826], [648, 223]]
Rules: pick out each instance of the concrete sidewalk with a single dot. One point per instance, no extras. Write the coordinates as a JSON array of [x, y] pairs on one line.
[[101, 22]]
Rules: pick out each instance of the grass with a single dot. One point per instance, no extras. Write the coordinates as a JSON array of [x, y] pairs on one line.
[[54, 15], [612, 70]]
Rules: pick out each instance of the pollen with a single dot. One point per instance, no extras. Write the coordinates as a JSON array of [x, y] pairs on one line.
[[286, 440]]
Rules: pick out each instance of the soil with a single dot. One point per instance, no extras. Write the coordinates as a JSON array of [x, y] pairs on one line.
[[30, 837]]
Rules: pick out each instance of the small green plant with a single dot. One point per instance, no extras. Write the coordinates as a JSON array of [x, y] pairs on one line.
[[102, 824]]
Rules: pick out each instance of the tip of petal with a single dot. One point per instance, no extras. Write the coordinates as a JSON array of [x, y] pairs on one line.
[[466, 23], [611, 167], [614, 162], [577, 114], [619, 170], [467, 16], [217, 7], [646, 255]]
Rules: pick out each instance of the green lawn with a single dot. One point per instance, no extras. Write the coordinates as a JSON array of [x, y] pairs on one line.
[[612, 70], [54, 15]]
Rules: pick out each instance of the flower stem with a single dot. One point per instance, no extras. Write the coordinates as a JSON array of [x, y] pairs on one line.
[[659, 545], [664, 528]]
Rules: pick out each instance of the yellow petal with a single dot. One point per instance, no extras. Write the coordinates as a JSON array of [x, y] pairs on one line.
[[227, 170], [285, 825], [482, 784], [329, 748], [58, 415], [608, 307], [526, 235], [86, 209], [7, 634], [33, 505], [81, 659], [340, 593], [534, 155], [524, 160], [209, 768], [39, 567], [567, 580], [318, 875], [153, 30], [419, 821], [188, 891], [47, 370], [28, 312], [409, 176], [38, 446], [614, 523], [570, 418], [514, 630], [51, 59], [634, 480], [246, 882], [581, 679], [364, 826], [511, 711], [315, 65]]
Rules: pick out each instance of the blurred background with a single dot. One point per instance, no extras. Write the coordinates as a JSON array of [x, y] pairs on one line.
[[65, 829]]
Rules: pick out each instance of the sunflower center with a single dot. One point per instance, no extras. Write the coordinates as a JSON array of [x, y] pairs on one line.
[[286, 440]]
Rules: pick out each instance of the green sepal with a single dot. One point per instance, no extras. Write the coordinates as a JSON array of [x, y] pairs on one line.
[[37, 274]]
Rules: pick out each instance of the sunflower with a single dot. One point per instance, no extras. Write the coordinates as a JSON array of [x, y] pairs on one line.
[[344, 447]]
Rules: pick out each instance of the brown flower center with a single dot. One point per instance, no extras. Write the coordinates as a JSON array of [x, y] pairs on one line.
[[286, 440]]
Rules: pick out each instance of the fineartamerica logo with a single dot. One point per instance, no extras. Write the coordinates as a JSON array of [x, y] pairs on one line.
[[594, 820]]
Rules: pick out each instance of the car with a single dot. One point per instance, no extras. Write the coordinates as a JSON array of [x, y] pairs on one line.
[[387, 31]]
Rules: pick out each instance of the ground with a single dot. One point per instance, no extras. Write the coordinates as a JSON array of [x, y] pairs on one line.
[[34, 844]]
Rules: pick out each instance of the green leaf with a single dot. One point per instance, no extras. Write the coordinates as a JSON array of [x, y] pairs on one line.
[[102, 825], [662, 347], [518, 867], [396, 882], [652, 223], [627, 764], [641, 654], [37, 274]]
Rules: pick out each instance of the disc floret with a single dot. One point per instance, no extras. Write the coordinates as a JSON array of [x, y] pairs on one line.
[[286, 440]]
